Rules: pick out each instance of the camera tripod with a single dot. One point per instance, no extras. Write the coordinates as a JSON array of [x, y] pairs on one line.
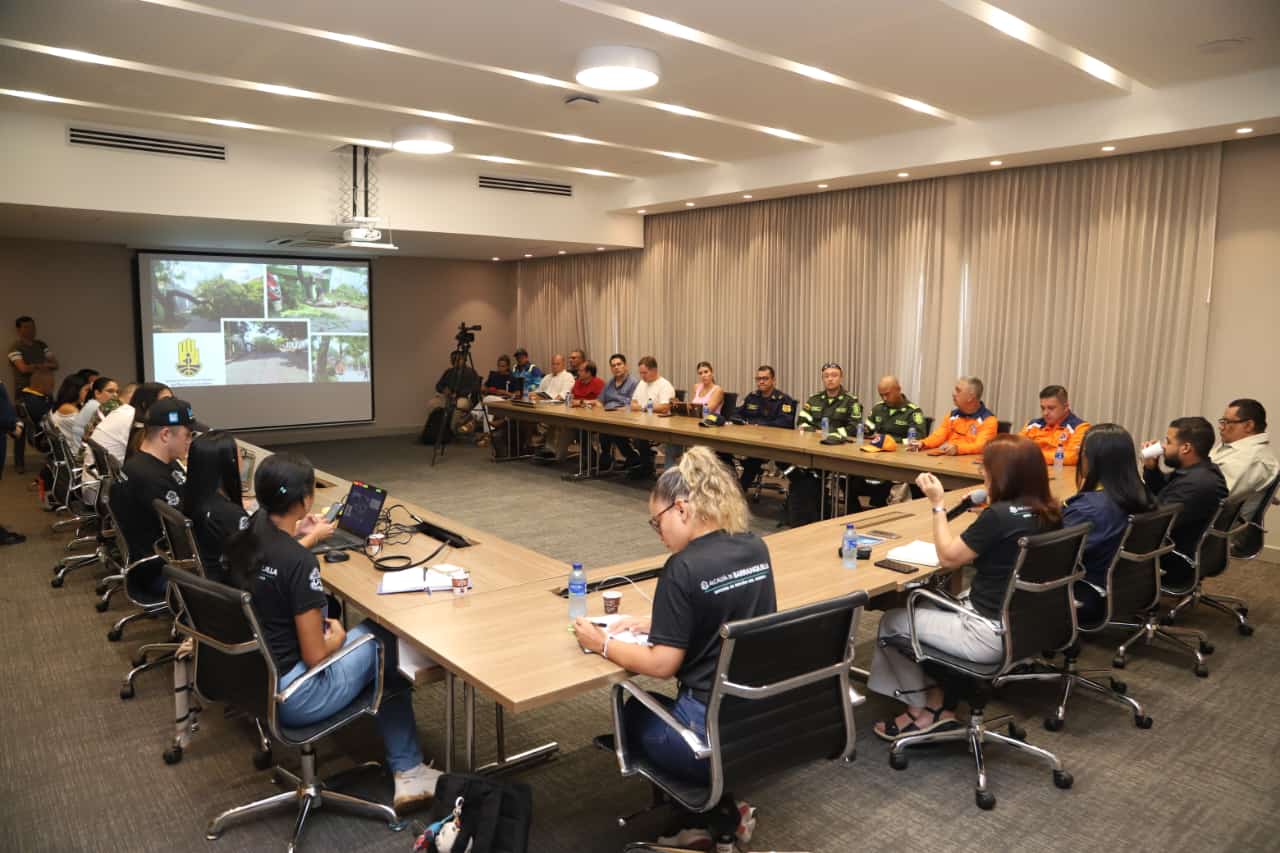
[[458, 360]]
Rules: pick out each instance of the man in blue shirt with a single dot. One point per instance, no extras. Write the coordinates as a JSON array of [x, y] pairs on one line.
[[765, 406], [528, 372], [616, 396]]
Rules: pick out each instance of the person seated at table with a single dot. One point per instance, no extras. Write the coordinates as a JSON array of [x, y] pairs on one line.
[[66, 408], [652, 391], [214, 502], [1108, 491], [1195, 482], [1057, 425], [765, 406], [1020, 504], [1244, 455], [969, 426], [577, 358], [894, 416], [283, 578], [501, 383], [588, 386], [708, 395], [103, 389], [526, 371], [841, 409], [556, 385], [143, 400], [114, 431], [616, 396], [700, 515]]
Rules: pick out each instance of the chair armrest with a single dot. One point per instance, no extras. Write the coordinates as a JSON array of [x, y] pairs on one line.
[[700, 748], [284, 695], [944, 601]]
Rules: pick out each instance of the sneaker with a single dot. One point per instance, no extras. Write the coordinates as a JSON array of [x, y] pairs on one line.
[[8, 537], [746, 823], [692, 838], [415, 786]]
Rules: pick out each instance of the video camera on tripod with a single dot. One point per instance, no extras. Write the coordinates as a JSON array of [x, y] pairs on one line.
[[466, 337], [443, 422]]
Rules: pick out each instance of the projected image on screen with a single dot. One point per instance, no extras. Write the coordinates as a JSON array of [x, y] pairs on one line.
[[267, 341]]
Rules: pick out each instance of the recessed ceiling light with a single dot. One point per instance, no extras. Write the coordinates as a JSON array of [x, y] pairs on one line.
[[599, 248], [617, 69], [746, 195], [495, 259], [527, 255], [997, 162], [904, 174], [422, 139], [642, 211], [690, 204], [1243, 130], [823, 186], [1108, 148], [561, 252]]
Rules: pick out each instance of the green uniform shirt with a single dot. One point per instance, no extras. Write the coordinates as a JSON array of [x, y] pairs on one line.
[[842, 412], [896, 420]]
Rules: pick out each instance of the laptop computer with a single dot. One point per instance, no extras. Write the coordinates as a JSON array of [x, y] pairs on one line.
[[357, 516]]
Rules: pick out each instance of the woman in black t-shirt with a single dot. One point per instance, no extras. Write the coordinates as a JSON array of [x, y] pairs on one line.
[[1020, 504], [284, 580], [718, 572]]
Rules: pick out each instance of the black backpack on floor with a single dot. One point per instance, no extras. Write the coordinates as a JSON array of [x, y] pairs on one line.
[[804, 498], [496, 815]]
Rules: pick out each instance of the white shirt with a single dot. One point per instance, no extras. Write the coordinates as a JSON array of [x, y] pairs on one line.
[[660, 391], [556, 385], [113, 432], [1248, 465]]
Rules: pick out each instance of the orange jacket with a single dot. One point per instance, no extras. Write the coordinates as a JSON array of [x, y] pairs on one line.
[[969, 433], [1071, 432]]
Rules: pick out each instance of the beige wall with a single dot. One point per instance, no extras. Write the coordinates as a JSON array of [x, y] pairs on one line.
[[81, 295], [1242, 358]]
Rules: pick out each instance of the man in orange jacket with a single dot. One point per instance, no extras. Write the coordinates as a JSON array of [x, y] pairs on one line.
[[1056, 425], [969, 426]]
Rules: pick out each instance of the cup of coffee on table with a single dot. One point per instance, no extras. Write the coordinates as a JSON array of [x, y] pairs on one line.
[[612, 601]]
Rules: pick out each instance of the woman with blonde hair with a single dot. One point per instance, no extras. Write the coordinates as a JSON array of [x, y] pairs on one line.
[[718, 572]]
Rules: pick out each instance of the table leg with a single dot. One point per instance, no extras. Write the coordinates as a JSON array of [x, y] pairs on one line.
[[469, 710], [450, 724], [585, 471], [502, 762]]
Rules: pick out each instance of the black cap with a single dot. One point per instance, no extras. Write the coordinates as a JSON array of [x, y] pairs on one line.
[[170, 412], [521, 351]]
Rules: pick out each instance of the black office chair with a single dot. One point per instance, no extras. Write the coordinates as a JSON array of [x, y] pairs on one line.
[[928, 425], [729, 406], [1248, 542], [110, 584], [1038, 615], [87, 514], [1211, 560], [781, 697], [1132, 587], [234, 665], [126, 565], [680, 394], [66, 482]]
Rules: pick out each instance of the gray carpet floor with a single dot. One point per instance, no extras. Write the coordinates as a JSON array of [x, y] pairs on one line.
[[80, 769]]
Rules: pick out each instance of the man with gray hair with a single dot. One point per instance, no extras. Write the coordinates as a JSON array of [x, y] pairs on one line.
[[968, 427]]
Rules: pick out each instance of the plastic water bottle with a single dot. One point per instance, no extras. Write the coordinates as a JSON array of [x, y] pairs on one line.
[[568, 399], [1059, 459], [706, 411], [826, 427], [849, 546], [862, 428], [577, 592], [913, 438], [648, 406]]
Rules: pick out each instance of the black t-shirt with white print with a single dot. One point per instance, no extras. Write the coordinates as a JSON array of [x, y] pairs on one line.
[[146, 478], [213, 524], [994, 538], [719, 577], [287, 584]]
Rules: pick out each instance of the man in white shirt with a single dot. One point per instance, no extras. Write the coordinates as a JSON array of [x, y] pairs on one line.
[[1245, 456], [652, 388], [557, 385]]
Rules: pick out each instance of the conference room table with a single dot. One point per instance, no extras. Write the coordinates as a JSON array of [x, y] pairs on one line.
[[509, 636]]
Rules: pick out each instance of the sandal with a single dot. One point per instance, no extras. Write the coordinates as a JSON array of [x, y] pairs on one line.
[[891, 732]]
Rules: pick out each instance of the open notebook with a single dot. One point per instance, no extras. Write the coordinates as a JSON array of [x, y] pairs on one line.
[[420, 579], [918, 552]]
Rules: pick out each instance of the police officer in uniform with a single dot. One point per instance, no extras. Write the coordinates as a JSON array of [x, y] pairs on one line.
[[841, 409], [765, 406], [894, 415]]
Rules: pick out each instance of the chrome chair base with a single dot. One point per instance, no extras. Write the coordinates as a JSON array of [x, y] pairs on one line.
[[1235, 607], [1071, 678], [69, 564], [308, 793], [1152, 630], [165, 653], [977, 732]]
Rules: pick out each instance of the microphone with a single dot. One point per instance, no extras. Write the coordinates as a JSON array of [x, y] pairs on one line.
[[975, 498]]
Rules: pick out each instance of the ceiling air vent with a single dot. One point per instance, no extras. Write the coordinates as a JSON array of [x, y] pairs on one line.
[[524, 185], [146, 144], [309, 240]]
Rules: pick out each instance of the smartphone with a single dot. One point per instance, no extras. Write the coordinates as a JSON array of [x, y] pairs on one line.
[[334, 509], [883, 534], [895, 566]]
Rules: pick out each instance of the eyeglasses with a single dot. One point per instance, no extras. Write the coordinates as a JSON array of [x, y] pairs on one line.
[[1225, 421], [656, 521], [763, 378]]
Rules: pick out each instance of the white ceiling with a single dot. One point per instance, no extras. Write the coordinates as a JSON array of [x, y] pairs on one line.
[[936, 51]]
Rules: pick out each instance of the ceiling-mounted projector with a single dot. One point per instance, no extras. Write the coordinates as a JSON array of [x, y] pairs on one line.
[[361, 232]]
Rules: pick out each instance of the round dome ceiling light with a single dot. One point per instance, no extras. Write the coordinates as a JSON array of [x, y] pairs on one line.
[[422, 139], [617, 69]]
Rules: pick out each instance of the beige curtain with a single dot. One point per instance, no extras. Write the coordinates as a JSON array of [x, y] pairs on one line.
[[1094, 275], [852, 277]]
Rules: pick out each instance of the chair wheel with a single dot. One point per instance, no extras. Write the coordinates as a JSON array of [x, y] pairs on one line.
[[1118, 662], [1143, 722], [126, 692], [1017, 732], [114, 635], [985, 800], [1243, 611], [261, 759], [1053, 724], [1062, 779], [56, 581], [173, 755], [1119, 687], [1245, 629], [1202, 671], [101, 606], [1166, 619], [138, 660], [1206, 648], [897, 761]]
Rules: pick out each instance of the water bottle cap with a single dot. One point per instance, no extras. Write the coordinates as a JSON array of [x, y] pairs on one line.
[[848, 525], [577, 566]]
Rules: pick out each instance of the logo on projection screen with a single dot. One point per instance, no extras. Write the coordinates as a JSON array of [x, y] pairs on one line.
[[188, 357]]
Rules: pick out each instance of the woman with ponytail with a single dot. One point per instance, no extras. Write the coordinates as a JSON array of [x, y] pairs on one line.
[[284, 580], [718, 572]]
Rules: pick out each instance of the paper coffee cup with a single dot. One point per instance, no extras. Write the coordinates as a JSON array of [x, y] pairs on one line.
[[612, 601], [1152, 452], [461, 580]]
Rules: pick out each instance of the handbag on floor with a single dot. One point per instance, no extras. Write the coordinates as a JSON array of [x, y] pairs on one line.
[[477, 814]]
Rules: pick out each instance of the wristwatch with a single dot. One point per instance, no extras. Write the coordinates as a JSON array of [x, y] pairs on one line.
[[939, 509]]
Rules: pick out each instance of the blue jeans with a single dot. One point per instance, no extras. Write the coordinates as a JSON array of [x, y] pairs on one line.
[[660, 743], [335, 688]]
